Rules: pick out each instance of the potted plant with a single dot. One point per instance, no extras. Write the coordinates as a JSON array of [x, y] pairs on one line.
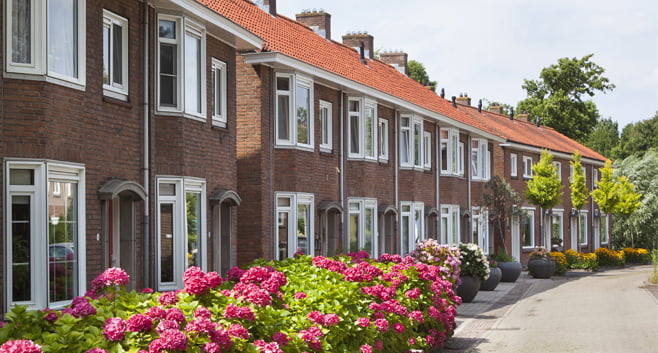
[[541, 263], [495, 274], [474, 269], [509, 267]]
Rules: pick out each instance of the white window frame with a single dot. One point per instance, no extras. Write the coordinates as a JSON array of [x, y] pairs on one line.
[[366, 106], [482, 164], [427, 150], [527, 167], [604, 220], [295, 200], [514, 165], [295, 80], [113, 89], [184, 27], [415, 143], [415, 214], [44, 173], [451, 230], [382, 139], [530, 213], [558, 169], [460, 160], [454, 148], [480, 221], [39, 47], [558, 213], [325, 118], [583, 226], [182, 186], [363, 204], [219, 78], [595, 177]]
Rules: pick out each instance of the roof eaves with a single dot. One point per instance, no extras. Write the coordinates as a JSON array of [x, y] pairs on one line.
[[561, 154], [271, 58]]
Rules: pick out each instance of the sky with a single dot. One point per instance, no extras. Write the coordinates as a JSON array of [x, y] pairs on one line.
[[487, 48]]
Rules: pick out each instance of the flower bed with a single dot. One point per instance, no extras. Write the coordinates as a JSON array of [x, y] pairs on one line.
[[609, 257], [637, 256], [561, 265], [305, 304], [584, 261]]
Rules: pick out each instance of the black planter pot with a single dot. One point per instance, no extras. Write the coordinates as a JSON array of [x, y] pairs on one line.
[[541, 268], [491, 283], [469, 288], [511, 271]]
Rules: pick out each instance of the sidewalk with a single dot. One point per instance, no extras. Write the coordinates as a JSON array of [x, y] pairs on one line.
[[589, 312]]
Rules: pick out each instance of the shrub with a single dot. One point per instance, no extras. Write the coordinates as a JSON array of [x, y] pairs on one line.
[[561, 264], [609, 257], [578, 260], [473, 261], [502, 256], [637, 256], [653, 279], [318, 304]]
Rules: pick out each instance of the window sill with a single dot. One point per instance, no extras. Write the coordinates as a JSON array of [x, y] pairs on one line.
[[383, 161], [114, 93], [362, 159], [219, 124], [326, 150], [293, 147], [45, 78], [123, 103]]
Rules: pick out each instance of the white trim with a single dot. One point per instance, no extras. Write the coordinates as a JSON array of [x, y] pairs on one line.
[[382, 139], [296, 199], [454, 150], [415, 143], [349, 85], [481, 163], [294, 81], [427, 150], [326, 124], [527, 167], [219, 116], [367, 108], [556, 154], [112, 89], [529, 212], [362, 205]]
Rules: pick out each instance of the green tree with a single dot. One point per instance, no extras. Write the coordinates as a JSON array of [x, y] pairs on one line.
[[507, 108], [606, 194], [605, 137], [559, 97], [637, 138], [636, 216], [418, 73], [500, 199], [578, 186], [544, 189]]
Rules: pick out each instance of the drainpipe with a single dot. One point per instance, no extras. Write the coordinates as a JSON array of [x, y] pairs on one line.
[[343, 200], [397, 176], [147, 142], [468, 183], [437, 171]]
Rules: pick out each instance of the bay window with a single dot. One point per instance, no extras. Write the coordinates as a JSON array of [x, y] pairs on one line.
[[450, 227], [45, 253], [480, 160], [115, 55], [362, 129], [181, 75], [295, 224], [363, 225], [294, 111], [452, 152], [412, 142], [181, 226], [412, 222], [46, 38]]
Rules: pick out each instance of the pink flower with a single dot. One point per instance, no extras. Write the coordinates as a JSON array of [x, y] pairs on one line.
[[211, 347], [331, 319], [156, 313], [300, 295], [139, 323], [202, 311], [168, 298], [379, 345], [363, 322], [237, 330], [233, 311], [80, 307], [316, 317], [382, 325], [281, 338], [398, 327], [146, 291], [265, 347], [222, 338], [165, 325], [366, 348], [195, 281], [416, 315], [51, 316], [114, 329], [175, 314], [115, 276], [235, 273], [200, 324], [173, 340], [411, 341], [20, 346], [413, 294], [96, 350], [214, 279]]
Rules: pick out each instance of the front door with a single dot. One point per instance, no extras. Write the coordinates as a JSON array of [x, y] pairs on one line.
[[516, 238], [122, 244]]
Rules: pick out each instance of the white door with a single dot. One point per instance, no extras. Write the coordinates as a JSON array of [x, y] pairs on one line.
[[516, 238], [574, 233]]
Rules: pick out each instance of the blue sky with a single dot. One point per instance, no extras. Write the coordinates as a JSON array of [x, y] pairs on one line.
[[486, 48]]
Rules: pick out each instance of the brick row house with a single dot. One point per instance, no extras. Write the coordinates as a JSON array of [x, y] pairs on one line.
[[158, 135]]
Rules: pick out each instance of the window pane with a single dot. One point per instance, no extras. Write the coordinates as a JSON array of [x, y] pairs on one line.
[[193, 207], [63, 37], [167, 29], [217, 92], [405, 234], [455, 227], [21, 177], [192, 74], [354, 134], [418, 225], [304, 229], [106, 54], [417, 142], [583, 229], [283, 130], [444, 156], [167, 189], [526, 228], [168, 74], [404, 146], [369, 231], [354, 232], [21, 245], [354, 106], [283, 84], [21, 38], [62, 242], [324, 126], [166, 242], [302, 112], [282, 219], [557, 226], [117, 54], [604, 229], [370, 131]]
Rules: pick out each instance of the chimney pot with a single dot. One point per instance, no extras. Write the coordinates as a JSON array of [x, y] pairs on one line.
[[318, 21], [464, 99], [496, 109], [397, 59], [354, 39], [454, 104], [522, 117]]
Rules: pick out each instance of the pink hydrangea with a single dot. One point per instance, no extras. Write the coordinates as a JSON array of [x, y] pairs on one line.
[[146, 291], [417, 316], [256, 274], [96, 350], [281, 338], [200, 324], [114, 329], [379, 345], [202, 311], [382, 325], [156, 313], [237, 330], [80, 307], [113, 276], [50, 316], [175, 314], [316, 317], [165, 325], [211, 347], [363, 322], [222, 338], [173, 340], [265, 347], [139, 323], [398, 327], [330, 320], [214, 279], [235, 273], [300, 295], [312, 337], [168, 298], [366, 348], [20, 346], [233, 311], [413, 293], [329, 264]]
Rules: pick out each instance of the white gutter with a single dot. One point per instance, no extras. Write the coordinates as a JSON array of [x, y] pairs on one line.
[[520, 146], [146, 167], [285, 60]]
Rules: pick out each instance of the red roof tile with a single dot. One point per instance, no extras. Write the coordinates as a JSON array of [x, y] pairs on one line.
[[298, 41]]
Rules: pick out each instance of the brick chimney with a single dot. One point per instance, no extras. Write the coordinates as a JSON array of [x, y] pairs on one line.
[[522, 117], [354, 40], [398, 59], [268, 6], [497, 109], [464, 99], [318, 20]]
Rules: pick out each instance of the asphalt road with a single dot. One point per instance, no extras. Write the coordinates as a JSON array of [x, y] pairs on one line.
[[608, 311]]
